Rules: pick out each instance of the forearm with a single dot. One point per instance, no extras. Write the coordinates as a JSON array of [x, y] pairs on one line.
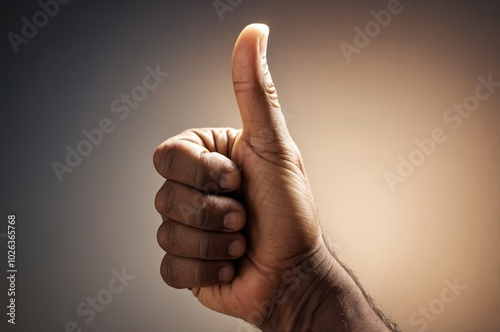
[[321, 295]]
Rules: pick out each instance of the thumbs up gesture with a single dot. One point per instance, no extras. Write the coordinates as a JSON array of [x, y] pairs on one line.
[[240, 228]]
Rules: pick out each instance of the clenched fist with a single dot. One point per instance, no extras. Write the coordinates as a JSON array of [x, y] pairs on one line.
[[240, 228]]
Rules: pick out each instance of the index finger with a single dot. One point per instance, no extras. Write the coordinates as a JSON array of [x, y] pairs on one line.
[[192, 164]]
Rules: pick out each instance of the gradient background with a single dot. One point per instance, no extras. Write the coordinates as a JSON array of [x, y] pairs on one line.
[[351, 122]]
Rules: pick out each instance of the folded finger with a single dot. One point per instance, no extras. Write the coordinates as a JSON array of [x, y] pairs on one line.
[[194, 165], [191, 207], [180, 272], [189, 242]]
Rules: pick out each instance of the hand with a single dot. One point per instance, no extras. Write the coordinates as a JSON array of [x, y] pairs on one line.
[[239, 222]]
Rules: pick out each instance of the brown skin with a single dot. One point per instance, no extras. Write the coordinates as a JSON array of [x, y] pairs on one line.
[[279, 275]]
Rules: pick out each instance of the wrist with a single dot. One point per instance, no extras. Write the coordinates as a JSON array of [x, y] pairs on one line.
[[319, 295]]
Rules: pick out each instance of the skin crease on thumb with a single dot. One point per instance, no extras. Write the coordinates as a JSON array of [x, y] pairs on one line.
[[249, 33]]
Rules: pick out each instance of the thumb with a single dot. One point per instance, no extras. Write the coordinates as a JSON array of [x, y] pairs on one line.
[[261, 115]]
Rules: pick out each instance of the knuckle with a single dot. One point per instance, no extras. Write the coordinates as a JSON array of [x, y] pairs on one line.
[[169, 196], [168, 271], [157, 156], [203, 214], [204, 248], [171, 153], [159, 201], [199, 218], [198, 174], [166, 236], [165, 198], [165, 156], [170, 230], [160, 237]]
